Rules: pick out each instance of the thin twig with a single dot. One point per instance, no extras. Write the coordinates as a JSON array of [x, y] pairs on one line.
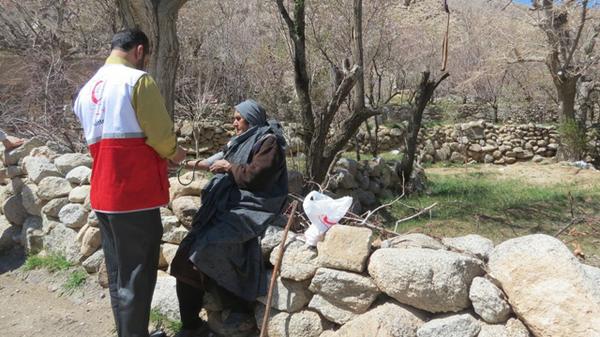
[[424, 210]]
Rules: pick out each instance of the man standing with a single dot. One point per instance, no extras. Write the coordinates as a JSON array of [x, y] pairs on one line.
[[130, 137]]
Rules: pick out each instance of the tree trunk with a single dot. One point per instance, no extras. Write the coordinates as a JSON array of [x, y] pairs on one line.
[[572, 131], [158, 19], [422, 98]]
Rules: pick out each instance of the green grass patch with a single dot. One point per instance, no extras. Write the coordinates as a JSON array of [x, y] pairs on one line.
[[160, 321], [480, 203], [75, 280], [52, 263]]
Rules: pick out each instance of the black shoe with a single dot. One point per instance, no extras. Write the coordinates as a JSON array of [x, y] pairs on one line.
[[158, 333]]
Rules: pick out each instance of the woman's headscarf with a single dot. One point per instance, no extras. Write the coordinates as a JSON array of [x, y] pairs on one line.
[[252, 112]]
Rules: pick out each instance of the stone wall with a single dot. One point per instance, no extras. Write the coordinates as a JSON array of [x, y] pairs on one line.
[[351, 284]]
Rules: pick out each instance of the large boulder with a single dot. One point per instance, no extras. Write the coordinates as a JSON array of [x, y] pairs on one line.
[[463, 325], [299, 260], [38, 168], [346, 248], [547, 286], [348, 290], [431, 280], [54, 187], [489, 301], [386, 320], [69, 161], [14, 211], [288, 295], [512, 328]]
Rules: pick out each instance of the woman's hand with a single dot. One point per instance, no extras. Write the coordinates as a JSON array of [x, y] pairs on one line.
[[198, 164], [220, 166]]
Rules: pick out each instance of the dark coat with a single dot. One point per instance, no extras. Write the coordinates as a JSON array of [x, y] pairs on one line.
[[224, 243]]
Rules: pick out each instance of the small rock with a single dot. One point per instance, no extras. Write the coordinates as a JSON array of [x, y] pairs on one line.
[[413, 240], [185, 208], [288, 295], [463, 325], [386, 320], [473, 244], [79, 193], [69, 161], [53, 187], [73, 216], [299, 260], [79, 175], [347, 290], [53, 207], [38, 168], [14, 211], [330, 311], [489, 301], [92, 264]]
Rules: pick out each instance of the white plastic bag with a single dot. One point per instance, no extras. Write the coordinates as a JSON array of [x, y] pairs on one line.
[[323, 212]]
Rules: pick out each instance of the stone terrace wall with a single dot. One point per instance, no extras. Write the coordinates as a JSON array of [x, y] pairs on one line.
[[478, 141], [351, 285]]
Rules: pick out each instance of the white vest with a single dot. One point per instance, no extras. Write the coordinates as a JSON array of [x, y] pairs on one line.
[[104, 104]]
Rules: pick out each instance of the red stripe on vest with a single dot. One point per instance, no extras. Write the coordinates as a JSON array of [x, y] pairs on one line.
[[127, 175]]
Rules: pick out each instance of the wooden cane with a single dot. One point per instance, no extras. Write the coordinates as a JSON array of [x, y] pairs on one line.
[[263, 329]]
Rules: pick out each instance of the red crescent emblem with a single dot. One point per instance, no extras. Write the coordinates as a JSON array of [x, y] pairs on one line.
[[326, 221], [95, 99]]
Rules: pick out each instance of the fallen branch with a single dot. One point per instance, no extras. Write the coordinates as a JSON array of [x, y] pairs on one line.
[[424, 210]]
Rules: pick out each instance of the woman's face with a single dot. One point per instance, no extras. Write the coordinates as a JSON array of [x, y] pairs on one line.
[[239, 123]]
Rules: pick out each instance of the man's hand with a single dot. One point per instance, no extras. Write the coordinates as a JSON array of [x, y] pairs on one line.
[[220, 166], [12, 142], [179, 156]]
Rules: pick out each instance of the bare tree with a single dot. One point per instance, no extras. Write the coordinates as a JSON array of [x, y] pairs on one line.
[[158, 19], [568, 58], [322, 144]]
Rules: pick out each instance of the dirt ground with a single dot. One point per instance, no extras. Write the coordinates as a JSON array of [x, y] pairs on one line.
[[531, 173], [33, 304]]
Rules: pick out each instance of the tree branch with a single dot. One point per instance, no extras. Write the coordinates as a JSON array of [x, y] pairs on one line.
[[584, 10]]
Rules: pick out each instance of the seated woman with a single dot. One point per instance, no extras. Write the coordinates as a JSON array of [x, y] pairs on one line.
[[221, 253]]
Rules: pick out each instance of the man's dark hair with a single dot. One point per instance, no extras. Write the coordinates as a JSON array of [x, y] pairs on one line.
[[130, 38]]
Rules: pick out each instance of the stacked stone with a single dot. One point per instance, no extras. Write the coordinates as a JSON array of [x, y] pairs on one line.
[[483, 142], [44, 194], [411, 285], [365, 181], [211, 136], [47, 202], [415, 285]]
